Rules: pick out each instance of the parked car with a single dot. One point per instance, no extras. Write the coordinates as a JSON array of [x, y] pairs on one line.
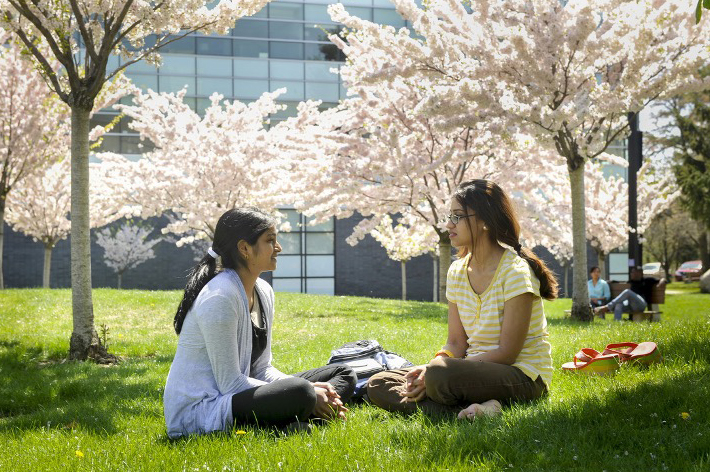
[[692, 270], [653, 269]]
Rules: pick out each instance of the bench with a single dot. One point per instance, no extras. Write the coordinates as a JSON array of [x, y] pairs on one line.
[[658, 297]]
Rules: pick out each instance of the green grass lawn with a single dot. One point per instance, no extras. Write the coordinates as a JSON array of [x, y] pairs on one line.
[[57, 415]]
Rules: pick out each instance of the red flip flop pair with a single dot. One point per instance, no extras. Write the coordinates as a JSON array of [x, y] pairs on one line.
[[592, 362]]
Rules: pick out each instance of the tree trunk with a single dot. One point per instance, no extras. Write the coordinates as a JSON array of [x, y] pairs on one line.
[[84, 336], [566, 289], [704, 253], [435, 290], [2, 238], [444, 263], [120, 277], [580, 296], [47, 265], [404, 280]]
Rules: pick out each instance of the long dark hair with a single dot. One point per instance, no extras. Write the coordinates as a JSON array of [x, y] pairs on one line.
[[491, 205], [234, 225]]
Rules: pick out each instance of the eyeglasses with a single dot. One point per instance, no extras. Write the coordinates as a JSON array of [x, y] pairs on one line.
[[456, 218]]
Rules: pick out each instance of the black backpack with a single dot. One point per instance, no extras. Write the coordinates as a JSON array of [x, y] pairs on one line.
[[366, 358]]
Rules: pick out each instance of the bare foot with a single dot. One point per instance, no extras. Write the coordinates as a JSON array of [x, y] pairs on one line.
[[600, 310], [489, 408]]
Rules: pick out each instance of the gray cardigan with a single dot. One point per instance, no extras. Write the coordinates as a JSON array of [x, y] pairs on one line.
[[213, 357]]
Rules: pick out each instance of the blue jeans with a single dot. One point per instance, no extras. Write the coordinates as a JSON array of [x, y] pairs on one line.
[[635, 303]]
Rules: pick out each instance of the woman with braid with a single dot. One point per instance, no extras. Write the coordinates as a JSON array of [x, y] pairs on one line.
[[497, 349], [222, 373]]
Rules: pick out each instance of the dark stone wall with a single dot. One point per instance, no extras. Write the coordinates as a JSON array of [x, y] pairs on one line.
[[365, 269], [23, 261]]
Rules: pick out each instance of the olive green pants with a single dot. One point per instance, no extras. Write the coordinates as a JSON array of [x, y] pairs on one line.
[[453, 384]]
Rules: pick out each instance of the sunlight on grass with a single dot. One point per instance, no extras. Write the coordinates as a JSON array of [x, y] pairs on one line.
[[59, 415]]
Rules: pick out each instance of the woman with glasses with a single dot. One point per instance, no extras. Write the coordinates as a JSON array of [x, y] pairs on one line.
[[222, 373], [497, 350]]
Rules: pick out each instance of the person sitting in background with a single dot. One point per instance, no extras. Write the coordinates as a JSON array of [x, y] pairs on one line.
[[599, 293], [633, 299]]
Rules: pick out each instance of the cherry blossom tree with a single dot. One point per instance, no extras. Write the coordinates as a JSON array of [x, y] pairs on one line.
[[509, 59], [40, 206], [129, 28], [33, 124], [126, 247], [375, 155], [200, 166], [404, 242]]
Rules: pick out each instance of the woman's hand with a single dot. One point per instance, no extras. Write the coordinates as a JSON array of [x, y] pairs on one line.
[[328, 403], [415, 389]]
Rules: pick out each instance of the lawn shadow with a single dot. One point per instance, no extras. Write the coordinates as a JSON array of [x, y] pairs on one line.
[[70, 394], [634, 428]]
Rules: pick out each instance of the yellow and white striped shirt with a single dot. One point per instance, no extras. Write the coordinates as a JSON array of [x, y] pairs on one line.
[[482, 315]]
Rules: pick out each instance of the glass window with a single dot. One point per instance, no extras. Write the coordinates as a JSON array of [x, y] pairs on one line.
[[191, 102], [174, 83], [388, 17], [289, 266], [184, 45], [321, 91], [124, 126], [356, 2], [214, 46], [102, 119], [214, 66], [323, 52], [251, 28], [315, 71], [317, 13], [325, 226], [320, 266], [364, 13], [251, 68], [294, 90], [131, 145], [320, 32], [285, 30], [244, 88], [320, 286], [287, 70], [144, 82], [201, 105], [282, 50], [112, 63], [320, 243], [111, 144], [294, 219], [263, 13], [382, 3], [247, 48], [207, 86], [343, 91], [174, 64], [286, 11], [286, 285], [140, 66], [290, 243]]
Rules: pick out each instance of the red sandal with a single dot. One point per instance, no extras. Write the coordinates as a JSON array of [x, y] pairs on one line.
[[645, 353], [590, 361]]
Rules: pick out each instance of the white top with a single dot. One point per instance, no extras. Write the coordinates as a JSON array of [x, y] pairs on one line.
[[213, 357]]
